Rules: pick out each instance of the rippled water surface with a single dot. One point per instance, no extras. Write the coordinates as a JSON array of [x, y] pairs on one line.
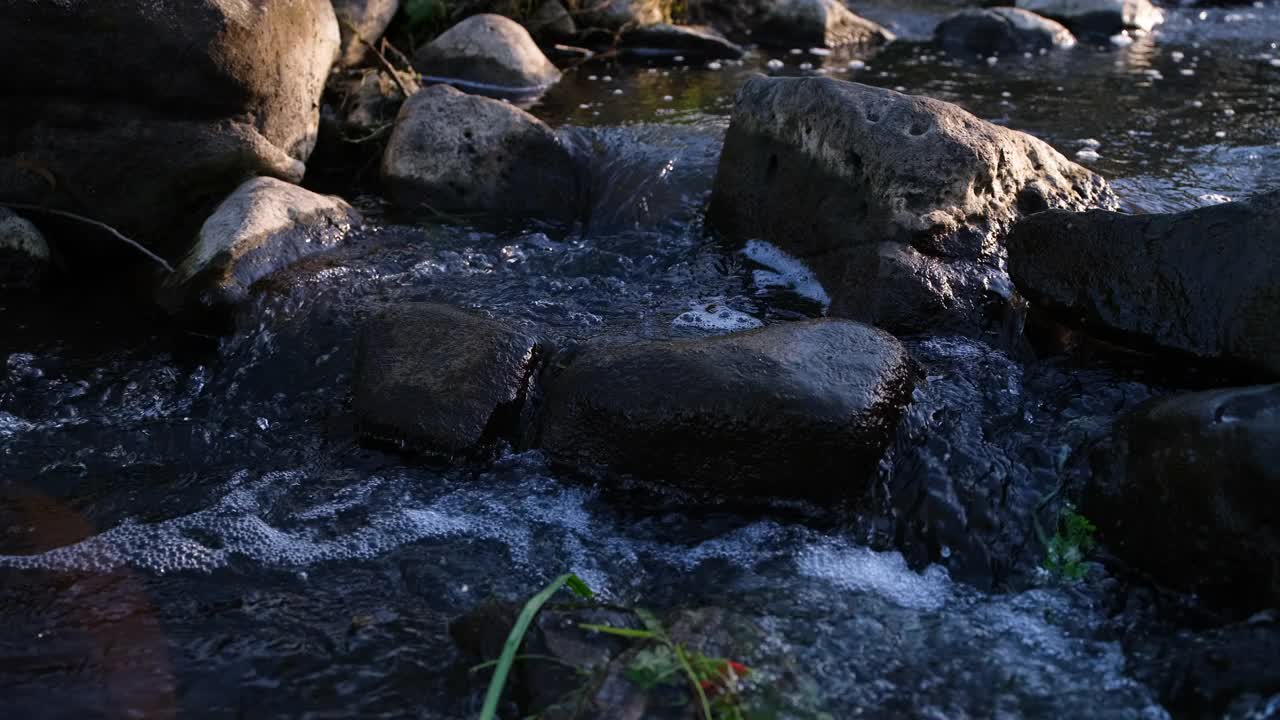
[[188, 527]]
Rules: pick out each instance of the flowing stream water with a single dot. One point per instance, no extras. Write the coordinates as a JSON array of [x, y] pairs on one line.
[[188, 527]]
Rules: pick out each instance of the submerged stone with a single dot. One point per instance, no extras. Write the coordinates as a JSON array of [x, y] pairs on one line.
[[262, 227], [439, 379], [1000, 31], [453, 152], [489, 54], [899, 203], [1204, 283], [803, 408], [1186, 489]]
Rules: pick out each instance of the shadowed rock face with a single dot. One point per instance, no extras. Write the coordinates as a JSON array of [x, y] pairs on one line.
[[264, 226], [363, 20], [1000, 31], [1204, 283], [797, 409], [898, 202], [439, 379], [487, 53], [455, 152], [144, 135], [816, 23], [1187, 488]]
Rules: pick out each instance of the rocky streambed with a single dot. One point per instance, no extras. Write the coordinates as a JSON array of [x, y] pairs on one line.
[[915, 356]]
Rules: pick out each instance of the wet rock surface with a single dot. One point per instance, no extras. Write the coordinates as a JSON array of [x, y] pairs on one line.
[[439, 379], [489, 54], [1204, 284], [143, 150], [261, 228], [453, 152], [887, 195], [1185, 489], [797, 409], [1226, 672], [1001, 31], [1098, 17], [24, 252]]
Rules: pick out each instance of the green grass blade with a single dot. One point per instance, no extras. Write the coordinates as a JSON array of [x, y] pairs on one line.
[[693, 680], [489, 711], [620, 632]]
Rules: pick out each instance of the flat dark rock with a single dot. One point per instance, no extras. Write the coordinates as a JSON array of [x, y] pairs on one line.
[[802, 408], [1204, 283], [439, 379]]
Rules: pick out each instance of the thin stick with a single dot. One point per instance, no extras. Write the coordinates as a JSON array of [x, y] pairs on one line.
[[64, 213], [388, 66]]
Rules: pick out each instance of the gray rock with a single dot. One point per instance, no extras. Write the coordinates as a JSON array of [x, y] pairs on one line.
[[24, 253], [487, 53], [1098, 17], [899, 203], [801, 408], [691, 41], [439, 379], [261, 228], [815, 23], [1186, 489], [1204, 283], [363, 20], [454, 152], [175, 105], [1000, 31], [1226, 672], [551, 22], [618, 14]]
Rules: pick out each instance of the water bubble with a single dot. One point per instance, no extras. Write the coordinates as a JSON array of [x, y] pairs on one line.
[[857, 65], [775, 64], [1087, 155], [714, 65]]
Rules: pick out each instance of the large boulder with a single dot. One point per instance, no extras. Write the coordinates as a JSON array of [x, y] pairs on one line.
[[1204, 283], [488, 53], [1098, 17], [898, 202], [24, 253], [1186, 489], [262, 227], [454, 152], [362, 23], [141, 114], [815, 23], [801, 408], [441, 380], [1000, 31]]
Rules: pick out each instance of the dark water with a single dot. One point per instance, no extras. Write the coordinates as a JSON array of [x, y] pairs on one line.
[[193, 531]]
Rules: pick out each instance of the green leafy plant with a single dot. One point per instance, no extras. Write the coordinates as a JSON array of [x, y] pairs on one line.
[[715, 682], [1068, 549], [498, 682]]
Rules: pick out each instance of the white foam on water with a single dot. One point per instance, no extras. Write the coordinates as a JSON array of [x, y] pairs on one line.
[[785, 271], [11, 425], [714, 317], [860, 569]]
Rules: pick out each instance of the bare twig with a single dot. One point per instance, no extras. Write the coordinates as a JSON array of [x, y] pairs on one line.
[[96, 223], [387, 65]]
